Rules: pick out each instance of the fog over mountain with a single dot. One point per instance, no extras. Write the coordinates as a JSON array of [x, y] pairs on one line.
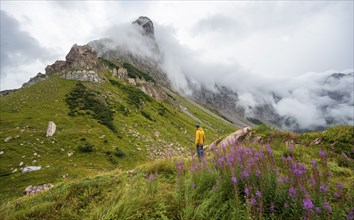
[[295, 57], [306, 101]]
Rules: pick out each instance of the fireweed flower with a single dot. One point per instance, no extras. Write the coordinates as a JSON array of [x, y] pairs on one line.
[[233, 180], [327, 206], [151, 177], [314, 164], [259, 194], [313, 182], [245, 174], [283, 179], [193, 185], [291, 147], [247, 191], [292, 192], [324, 188], [298, 172], [322, 153], [308, 204], [336, 195], [340, 185], [351, 214], [253, 201], [317, 210]]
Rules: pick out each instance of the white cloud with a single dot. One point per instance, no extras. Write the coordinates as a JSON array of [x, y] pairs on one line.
[[254, 47]]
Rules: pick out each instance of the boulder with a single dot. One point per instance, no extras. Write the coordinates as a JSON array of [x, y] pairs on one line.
[[32, 190], [30, 169], [51, 129], [232, 138], [7, 139]]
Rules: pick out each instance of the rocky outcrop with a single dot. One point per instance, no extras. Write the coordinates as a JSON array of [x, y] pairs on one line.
[[147, 25], [113, 51], [232, 138], [149, 88], [81, 64], [82, 75], [7, 92], [120, 73], [82, 57], [38, 78], [222, 99], [32, 190], [51, 129]]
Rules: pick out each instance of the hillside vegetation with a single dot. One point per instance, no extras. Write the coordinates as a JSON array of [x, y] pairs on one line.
[[281, 176], [100, 127]]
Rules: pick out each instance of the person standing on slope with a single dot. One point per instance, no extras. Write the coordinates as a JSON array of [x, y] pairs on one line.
[[199, 141]]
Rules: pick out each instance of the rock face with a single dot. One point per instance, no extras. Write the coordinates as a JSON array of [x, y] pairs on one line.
[[82, 57], [232, 138], [113, 51], [82, 75], [32, 190], [39, 77], [147, 25], [51, 129], [81, 64], [222, 99]]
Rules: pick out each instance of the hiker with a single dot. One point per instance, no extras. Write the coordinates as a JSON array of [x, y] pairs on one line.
[[199, 141]]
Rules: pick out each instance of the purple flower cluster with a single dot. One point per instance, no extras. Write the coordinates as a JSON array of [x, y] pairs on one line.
[[308, 204], [292, 192], [292, 183]]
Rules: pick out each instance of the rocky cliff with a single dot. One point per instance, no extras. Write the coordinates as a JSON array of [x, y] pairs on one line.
[[81, 64], [114, 51]]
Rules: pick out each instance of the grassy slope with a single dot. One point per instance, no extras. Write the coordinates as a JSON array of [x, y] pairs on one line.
[[158, 190], [25, 115]]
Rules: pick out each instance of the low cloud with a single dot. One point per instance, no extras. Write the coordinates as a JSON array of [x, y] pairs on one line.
[[19, 52]]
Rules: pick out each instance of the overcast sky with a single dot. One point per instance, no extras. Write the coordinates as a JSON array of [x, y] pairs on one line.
[[247, 45]]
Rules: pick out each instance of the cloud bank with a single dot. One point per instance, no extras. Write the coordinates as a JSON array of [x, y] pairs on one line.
[[262, 50]]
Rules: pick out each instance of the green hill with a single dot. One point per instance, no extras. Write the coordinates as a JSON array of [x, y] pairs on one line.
[[105, 126]]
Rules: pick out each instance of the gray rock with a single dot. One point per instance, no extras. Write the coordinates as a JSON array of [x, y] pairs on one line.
[[8, 139], [51, 129], [38, 78], [30, 169], [147, 26], [32, 190], [82, 75]]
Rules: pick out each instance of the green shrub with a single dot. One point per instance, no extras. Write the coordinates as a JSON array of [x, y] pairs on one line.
[[147, 115], [86, 148], [84, 99], [134, 72], [119, 153], [136, 97]]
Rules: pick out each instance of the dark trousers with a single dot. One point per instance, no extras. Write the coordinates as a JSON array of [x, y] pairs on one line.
[[200, 151]]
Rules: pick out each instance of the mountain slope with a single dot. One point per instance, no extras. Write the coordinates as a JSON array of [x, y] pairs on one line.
[[272, 177], [122, 125]]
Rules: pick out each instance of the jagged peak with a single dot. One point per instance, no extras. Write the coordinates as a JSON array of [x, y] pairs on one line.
[[147, 25]]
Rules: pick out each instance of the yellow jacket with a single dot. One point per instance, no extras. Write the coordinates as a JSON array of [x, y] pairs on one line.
[[199, 137]]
